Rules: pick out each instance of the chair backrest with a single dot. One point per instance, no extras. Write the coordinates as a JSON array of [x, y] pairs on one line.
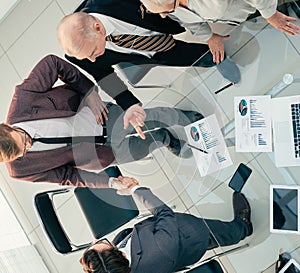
[[51, 224], [211, 267], [105, 210], [134, 72]]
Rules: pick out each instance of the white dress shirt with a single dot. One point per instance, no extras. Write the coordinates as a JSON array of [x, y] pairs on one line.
[[115, 27], [126, 250], [82, 124], [200, 12]]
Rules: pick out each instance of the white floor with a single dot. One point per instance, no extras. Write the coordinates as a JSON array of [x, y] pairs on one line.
[[263, 55]]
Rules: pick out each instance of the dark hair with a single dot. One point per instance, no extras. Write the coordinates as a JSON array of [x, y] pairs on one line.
[[9, 150], [107, 261]]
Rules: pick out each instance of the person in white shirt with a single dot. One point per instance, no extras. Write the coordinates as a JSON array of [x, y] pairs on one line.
[[196, 14]]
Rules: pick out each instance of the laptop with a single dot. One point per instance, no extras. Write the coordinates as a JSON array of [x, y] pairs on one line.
[[290, 267], [286, 130], [285, 209]]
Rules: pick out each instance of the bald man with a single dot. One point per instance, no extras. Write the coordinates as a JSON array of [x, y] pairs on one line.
[[82, 36]]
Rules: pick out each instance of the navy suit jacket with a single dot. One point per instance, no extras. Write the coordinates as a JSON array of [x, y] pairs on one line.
[[36, 98], [167, 241]]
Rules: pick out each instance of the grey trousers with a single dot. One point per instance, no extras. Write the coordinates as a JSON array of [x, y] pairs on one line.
[[130, 148]]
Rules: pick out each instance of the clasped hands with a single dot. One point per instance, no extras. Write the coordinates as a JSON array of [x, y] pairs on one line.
[[135, 114], [123, 185]]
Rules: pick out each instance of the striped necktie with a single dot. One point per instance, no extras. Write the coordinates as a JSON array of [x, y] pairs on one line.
[[158, 43]]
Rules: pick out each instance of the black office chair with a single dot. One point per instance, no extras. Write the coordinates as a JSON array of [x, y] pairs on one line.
[[134, 73], [104, 210]]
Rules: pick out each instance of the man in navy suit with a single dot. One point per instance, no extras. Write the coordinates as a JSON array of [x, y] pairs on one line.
[[167, 241], [82, 36]]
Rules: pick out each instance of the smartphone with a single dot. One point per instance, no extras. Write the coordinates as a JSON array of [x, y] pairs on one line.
[[240, 177]]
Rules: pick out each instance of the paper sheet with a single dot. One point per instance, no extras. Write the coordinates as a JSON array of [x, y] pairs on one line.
[[206, 135], [253, 124]]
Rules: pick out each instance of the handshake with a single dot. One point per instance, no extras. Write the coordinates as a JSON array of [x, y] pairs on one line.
[[123, 185]]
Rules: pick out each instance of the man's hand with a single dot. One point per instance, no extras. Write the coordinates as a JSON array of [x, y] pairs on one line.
[[135, 115], [282, 22], [94, 102], [123, 185], [216, 47]]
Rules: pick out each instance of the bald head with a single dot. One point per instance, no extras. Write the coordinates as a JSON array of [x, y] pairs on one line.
[[75, 30]]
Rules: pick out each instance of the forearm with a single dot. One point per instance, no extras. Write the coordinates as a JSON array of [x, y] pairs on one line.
[[201, 30], [51, 68], [116, 88], [108, 81], [150, 201], [69, 176], [166, 227], [266, 8]]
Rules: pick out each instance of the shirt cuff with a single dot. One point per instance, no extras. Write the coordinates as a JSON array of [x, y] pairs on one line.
[[126, 99], [133, 189], [110, 180]]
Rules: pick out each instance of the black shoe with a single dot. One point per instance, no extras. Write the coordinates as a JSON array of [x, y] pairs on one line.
[[192, 115], [175, 145], [242, 210], [296, 8], [229, 70]]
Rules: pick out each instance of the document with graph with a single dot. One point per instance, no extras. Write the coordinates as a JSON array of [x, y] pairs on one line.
[[208, 145], [253, 124]]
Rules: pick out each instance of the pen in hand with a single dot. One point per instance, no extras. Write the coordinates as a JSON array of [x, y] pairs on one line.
[[193, 147]]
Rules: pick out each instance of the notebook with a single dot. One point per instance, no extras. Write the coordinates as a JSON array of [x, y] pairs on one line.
[[284, 209]]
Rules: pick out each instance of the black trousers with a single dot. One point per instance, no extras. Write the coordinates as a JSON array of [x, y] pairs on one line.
[[225, 233], [185, 54]]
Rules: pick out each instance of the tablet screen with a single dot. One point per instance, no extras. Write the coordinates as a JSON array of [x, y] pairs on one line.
[[285, 209]]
